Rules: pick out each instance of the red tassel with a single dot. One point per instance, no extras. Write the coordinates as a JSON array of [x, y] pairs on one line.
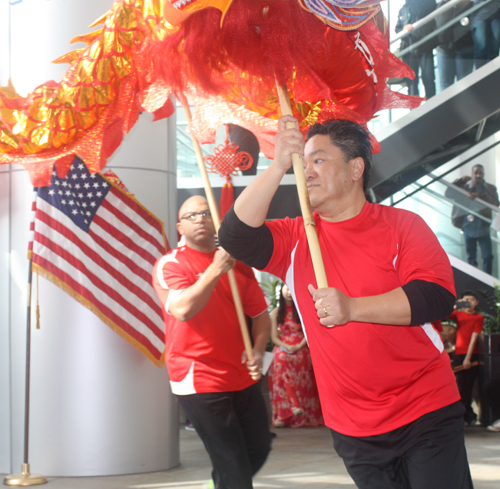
[[226, 197]]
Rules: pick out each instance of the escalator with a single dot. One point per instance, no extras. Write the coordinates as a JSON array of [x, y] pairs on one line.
[[447, 125]]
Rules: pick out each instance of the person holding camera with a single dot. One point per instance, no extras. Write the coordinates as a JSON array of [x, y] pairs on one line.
[[475, 229], [469, 327]]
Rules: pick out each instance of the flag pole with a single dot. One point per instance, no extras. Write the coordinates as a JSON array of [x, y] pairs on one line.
[[305, 206], [25, 478], [212, 204]]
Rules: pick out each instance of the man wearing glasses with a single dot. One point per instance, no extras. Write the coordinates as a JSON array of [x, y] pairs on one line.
[[205, 355]]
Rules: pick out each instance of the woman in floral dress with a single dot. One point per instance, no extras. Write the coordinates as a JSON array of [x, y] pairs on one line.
[[292, 386]]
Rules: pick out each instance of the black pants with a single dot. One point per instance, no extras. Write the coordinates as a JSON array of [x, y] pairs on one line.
[[235, 431], [465, 384], [428, 453], [426, 64]]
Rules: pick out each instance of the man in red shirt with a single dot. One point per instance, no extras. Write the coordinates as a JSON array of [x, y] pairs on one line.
[[206, 360], [469, 327], [386, 387]]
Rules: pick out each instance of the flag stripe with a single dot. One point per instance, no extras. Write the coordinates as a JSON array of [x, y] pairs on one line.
[[59, 255], [116, 241], [140, 211], [32, 223], [84, 286], [85, 293], [69, 242], [133, 221], [107, 247], [102, 221]]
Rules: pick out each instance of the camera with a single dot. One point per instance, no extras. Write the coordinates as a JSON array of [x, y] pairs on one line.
[[461, 304]]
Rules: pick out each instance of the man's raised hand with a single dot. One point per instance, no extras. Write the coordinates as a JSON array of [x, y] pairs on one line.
[[288, 142]]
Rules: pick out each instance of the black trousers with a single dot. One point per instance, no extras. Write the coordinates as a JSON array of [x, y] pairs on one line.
[[465, 384], [428, 453], [235, 431]]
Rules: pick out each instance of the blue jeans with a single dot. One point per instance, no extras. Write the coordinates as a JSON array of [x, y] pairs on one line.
[[454, 65], [486, 251], [486, 35], [234, 428]]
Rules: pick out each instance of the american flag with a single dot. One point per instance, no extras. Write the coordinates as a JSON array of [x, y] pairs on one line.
[[97, 243]]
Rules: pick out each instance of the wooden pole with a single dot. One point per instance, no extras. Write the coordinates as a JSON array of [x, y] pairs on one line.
[[459, 368], [305, 206], [212, 204]]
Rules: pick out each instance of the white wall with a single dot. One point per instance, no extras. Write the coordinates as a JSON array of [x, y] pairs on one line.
[[98, 407]]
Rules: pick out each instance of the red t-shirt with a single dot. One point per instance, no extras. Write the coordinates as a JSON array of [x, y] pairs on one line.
[[203, 354], [466, 325], [372, 378]]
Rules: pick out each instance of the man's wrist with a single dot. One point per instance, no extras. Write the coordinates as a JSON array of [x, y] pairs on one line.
[[278, 168], [214, 272]]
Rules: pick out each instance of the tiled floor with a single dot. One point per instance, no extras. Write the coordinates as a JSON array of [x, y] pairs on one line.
[[301, 458]]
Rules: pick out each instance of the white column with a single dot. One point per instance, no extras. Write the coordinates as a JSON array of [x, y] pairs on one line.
[[98, 407]]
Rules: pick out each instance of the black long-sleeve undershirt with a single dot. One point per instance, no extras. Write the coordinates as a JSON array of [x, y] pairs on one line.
[[254, 247]]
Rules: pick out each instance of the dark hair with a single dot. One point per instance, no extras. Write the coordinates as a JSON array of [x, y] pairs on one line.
[[470, 292], [280, 317], [351, 138], [478, 165]]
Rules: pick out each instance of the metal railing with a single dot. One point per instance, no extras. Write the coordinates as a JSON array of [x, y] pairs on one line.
[[430, 17]]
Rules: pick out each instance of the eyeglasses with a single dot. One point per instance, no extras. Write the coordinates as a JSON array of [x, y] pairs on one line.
[[191, 216]]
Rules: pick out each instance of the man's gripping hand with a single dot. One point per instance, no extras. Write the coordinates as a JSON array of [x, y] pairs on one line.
[[254, 366], [223, 261], [332, 306], [288, 142]]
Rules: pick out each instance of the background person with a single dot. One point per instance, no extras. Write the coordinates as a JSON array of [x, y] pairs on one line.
[[205, 356], [469, 326], [477, 231], [420, 58], [292, 386], [486, 32], [455, 51]]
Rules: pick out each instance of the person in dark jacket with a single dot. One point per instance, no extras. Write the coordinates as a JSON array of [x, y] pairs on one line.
[[421, 57], [455, 52], [477, 230]]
